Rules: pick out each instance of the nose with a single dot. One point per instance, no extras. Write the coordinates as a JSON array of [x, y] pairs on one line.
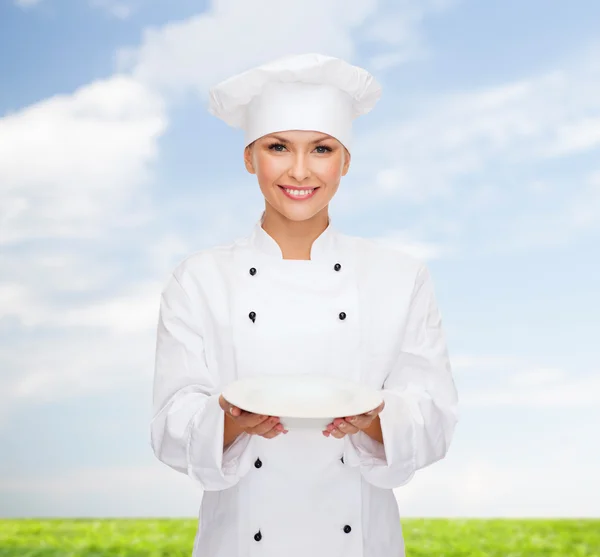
[[299, 169]]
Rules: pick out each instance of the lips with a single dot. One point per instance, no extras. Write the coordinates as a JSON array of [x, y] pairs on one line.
[[299, 197]]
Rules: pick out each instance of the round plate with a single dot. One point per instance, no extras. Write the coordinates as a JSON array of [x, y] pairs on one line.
[[302, 396]]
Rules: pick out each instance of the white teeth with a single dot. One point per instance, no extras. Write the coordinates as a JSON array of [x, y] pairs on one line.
[[299, 193]]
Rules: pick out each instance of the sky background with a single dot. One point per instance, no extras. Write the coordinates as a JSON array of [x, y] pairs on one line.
[[482, 158]]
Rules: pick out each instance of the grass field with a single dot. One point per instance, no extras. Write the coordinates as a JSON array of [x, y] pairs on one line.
[[175, 538]]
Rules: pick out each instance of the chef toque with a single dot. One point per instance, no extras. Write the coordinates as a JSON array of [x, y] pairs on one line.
[[300, 92]]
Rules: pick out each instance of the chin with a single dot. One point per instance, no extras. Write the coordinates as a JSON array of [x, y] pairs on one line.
[[301, 214]]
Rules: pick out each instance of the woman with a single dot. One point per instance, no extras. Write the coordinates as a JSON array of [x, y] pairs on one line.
[[298, 296]]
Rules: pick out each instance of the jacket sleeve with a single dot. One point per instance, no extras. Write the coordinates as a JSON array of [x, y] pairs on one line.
[[188, 423], [420, 412]]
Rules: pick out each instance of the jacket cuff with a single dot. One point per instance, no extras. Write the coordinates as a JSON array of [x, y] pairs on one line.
[[398, 429], [364, 450], [398, 433], [212, 467]]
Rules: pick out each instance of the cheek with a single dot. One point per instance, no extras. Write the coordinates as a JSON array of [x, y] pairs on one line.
[[268, 169], [330, 171]]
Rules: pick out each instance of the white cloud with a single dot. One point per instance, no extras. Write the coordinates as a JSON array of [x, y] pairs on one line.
[[130, 312], [539, 389], [574, 137], [584, 211], [475, 485], [13, 298], [150, 490], [385, 61], [78, 177], [65, 350], [455, 135], [91, 480], [404, 241], [398, 26], [27, 3], [70, 164], [464, 155], [234, 35], [116, 8], [499, 380], [538, 377], [576, 210], [459, 134], [462, 362], [67, 364], [181, 55]]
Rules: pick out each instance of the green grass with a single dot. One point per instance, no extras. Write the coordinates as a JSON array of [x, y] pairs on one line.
[[175, 538]]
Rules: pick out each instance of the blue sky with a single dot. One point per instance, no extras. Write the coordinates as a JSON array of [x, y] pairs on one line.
[[482, 158]]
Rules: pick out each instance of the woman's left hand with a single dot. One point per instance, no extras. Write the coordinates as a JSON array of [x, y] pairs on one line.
[[352, 424]]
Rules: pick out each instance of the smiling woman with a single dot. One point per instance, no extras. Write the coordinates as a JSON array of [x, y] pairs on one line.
[[298, 172], [297, 296]]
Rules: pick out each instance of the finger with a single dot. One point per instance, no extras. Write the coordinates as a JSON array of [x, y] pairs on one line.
[[224, 404], [251, 420], [360, 422], [337, 433], [229, 408], [280, 428], [264, 426], [273, 433], [346, 427], [330, 427], [234, 411]]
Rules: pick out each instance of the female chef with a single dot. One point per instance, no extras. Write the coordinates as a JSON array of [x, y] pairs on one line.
[[294, 296]]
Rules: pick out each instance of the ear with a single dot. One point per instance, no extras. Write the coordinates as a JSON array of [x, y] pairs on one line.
[[248, 158], [346, 162]]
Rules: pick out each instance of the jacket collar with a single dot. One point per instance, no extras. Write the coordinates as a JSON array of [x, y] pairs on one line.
[[323, 248]]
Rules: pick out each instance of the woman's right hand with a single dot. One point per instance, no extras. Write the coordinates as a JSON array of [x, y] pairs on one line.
[[251, 423]]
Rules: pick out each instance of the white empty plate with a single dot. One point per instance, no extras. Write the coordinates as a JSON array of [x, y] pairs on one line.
[[302, 400]]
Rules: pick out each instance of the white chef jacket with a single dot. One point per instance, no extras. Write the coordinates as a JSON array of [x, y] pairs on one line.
[[357, 310]]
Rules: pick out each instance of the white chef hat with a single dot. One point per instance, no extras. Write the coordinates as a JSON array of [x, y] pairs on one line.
[[301, 92]]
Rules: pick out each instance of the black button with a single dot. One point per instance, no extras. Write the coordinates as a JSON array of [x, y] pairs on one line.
[[342, 459], [252, 316], [347, 529], [337, 266], [258, 463], [252, 271], [342, 315], [258, 536]]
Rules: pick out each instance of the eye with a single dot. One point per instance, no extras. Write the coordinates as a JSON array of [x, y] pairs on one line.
[[273, 146], [327, 149]]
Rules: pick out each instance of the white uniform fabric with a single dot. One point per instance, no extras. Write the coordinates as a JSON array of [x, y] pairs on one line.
[[356, 309], [300, 92]]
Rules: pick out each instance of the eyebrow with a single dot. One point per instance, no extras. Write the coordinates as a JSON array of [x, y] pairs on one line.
[[283, 140]]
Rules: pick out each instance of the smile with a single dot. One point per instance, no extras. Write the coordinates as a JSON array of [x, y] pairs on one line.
[[299, 194]]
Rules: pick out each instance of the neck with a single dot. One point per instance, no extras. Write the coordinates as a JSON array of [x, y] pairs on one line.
[[295, 238]]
